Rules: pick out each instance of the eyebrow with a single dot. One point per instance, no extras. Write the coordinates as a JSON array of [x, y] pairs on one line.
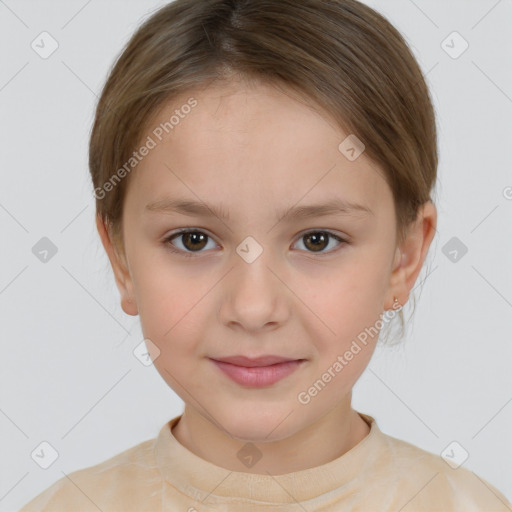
[[334, 206]]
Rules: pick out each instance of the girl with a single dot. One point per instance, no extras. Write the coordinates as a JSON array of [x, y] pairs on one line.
[[262, 172]]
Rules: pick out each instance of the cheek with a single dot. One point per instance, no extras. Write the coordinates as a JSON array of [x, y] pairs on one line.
[[169, 300], [349, 305], [168, 312], [350, 308]]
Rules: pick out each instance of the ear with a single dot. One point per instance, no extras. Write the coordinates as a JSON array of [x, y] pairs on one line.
[[120, 268], [411, 254]]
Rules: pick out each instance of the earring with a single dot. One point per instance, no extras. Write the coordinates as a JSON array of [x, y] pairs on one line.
[[396, 303]]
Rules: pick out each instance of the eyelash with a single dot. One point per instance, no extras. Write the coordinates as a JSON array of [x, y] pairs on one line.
[[189, 254]]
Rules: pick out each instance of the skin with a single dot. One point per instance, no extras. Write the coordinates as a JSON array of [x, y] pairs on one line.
[[256, 149]]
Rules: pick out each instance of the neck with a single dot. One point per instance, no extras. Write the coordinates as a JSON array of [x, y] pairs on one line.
[[328, 438]]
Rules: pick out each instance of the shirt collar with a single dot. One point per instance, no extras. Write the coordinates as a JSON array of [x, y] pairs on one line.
[[208, 483]]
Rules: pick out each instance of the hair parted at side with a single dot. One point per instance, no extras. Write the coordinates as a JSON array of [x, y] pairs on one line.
[[341, 54]]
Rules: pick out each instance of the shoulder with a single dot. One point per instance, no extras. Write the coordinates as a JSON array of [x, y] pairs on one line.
[[428, 482], [98, 487]]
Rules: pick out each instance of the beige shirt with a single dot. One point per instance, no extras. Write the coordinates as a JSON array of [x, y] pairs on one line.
[[380, 473]]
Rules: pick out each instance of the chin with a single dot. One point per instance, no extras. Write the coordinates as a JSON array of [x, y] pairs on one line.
[[258, 426]]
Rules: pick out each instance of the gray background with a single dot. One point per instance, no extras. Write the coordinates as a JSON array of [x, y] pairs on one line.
[[67, 372]]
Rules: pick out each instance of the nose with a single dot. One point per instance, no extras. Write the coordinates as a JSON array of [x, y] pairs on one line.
[[254, 296]]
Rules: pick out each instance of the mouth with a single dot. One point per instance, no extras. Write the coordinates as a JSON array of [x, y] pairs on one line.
[[257, 372]]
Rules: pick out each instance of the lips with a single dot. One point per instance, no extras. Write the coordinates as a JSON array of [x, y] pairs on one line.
[[249, 362], [263, 371]]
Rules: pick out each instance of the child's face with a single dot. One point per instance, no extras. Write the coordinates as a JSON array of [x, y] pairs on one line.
[[255, 152]]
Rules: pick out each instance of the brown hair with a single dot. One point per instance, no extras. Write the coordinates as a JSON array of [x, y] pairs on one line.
[[341, 54]]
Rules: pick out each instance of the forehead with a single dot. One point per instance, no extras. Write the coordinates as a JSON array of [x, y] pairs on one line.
[[243, 142]]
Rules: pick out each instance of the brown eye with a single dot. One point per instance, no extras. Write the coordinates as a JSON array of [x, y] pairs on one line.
[[194, 240], [318, 241], [188, 242]]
